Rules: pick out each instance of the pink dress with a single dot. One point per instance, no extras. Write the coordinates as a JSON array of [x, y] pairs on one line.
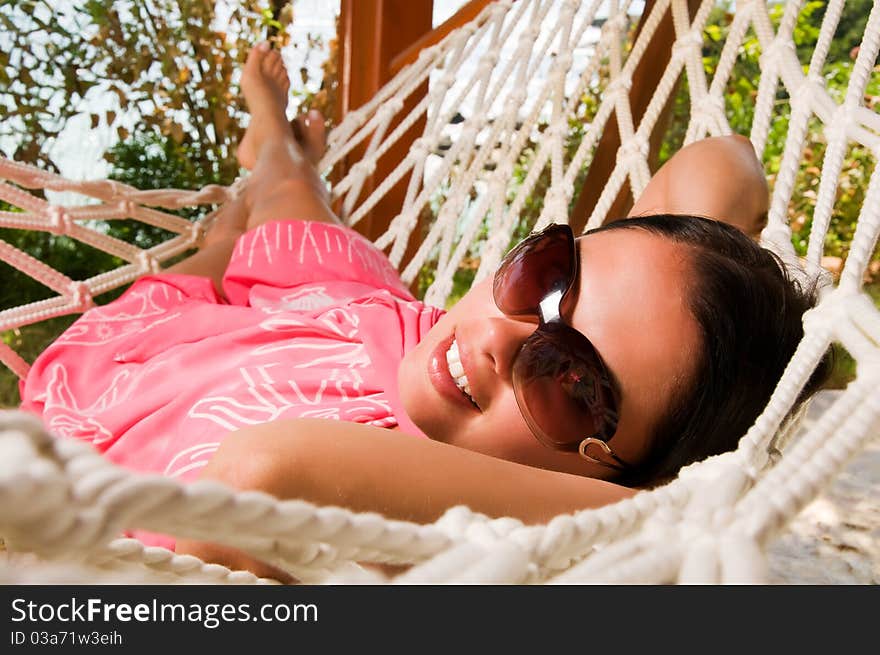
[[315, 327]]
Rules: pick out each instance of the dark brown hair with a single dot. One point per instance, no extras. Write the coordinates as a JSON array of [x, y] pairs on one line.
[[749, 312]]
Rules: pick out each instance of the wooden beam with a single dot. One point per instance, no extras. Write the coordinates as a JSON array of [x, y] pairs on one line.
[[371, 34]]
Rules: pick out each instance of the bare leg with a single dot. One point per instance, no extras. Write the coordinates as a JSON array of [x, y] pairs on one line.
[[283, 183], [309, 131], [214, 253]]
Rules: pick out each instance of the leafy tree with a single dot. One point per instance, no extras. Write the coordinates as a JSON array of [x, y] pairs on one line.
[[164, 64]]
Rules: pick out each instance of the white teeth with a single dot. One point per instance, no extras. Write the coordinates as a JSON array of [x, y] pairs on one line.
[[456, 370]]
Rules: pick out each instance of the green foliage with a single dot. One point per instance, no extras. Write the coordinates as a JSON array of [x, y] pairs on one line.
[[28, 342], [740, 95]]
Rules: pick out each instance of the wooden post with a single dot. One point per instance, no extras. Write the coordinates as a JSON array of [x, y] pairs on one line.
[[645, 78], [371, 34]]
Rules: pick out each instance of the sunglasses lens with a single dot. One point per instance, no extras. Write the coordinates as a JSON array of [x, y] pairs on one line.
[[537, 266], [562, 388]]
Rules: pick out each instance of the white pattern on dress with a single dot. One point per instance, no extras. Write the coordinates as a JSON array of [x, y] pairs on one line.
[[269, 404], [336, 318], [354, 355], [195, 456], [97, 327], [67, 419], [307, 299]]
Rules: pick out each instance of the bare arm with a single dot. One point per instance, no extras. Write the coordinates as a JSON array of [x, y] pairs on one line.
[[400, 476], [716, 177]]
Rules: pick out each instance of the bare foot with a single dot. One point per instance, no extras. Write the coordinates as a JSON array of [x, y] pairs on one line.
[[310, 131], [264, 83]]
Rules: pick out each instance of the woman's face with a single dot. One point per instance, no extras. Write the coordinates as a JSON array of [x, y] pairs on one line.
[[631, 303]]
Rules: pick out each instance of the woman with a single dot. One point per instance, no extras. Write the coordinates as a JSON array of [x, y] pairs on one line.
[[585, 368]]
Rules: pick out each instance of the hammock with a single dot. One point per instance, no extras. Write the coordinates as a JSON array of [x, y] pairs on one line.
[[515, 66]]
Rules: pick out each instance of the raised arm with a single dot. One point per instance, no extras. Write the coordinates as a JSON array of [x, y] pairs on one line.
[[717, 177], [370, 469]]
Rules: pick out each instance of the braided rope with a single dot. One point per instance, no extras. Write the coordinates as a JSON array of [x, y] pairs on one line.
[[516, 71]]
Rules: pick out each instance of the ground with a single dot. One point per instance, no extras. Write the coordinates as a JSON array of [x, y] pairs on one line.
[[836, 538]]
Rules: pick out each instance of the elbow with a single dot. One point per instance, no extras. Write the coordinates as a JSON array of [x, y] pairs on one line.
[[275, 458]]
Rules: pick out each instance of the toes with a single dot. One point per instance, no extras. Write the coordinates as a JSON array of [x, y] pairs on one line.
[[257, 54], [317, 129], [272, 62], [278, 70], [309, 131], [254, 64]]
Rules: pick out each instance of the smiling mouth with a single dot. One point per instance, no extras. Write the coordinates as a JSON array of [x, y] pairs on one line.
[[456, 370]]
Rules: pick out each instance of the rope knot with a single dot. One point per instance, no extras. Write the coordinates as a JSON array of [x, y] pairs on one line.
[[528, 36], [500, 9], [419, 148], [564, 61], [147, 262], [710, 105], [616, 23], [455, 522], [518, 98], [689, 44], [775, 54], [446, 81], [80, 295], [59, 220], [363, 168], [619, 85], [488, 61], [469, 132], [389, 109], [427, 54], [556, 130], [634, 150], [357, 116], [810, 89]]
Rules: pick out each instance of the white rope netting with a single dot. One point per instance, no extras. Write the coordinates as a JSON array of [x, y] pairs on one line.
[[517, 71]]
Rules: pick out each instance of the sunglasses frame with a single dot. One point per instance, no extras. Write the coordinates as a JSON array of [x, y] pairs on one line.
[[553, 328]]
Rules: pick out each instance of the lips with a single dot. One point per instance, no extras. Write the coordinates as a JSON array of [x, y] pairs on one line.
[[441, 378]]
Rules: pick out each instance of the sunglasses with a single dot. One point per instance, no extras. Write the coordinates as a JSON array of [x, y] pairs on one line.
[[563, 388]]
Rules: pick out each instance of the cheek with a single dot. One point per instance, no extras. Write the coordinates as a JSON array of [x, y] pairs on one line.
[[502, 432]]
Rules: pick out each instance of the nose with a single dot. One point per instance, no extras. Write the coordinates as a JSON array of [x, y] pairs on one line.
[[494, 341]]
